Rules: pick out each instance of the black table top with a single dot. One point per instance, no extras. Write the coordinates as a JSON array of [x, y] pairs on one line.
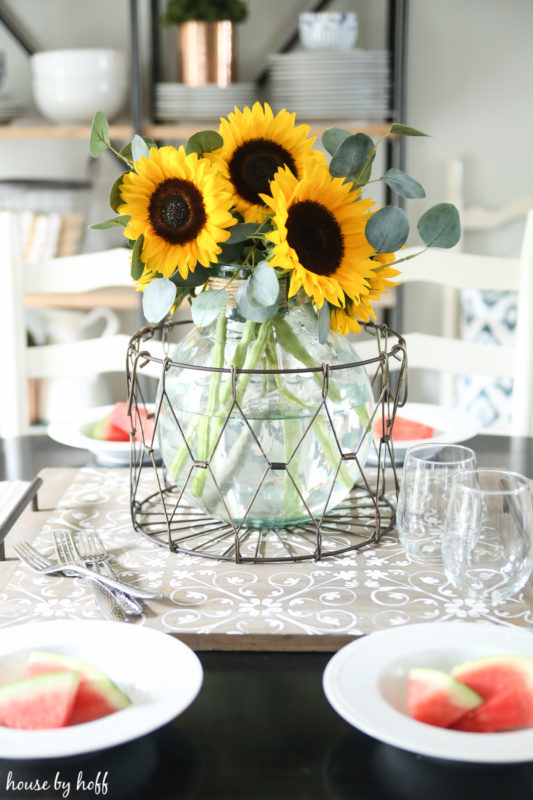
[[261, 726]]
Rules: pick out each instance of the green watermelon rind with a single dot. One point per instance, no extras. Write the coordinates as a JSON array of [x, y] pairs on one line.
[[30, 689], [44, 657], [523, 663], [443, 680], [92, 681], [436, 698]]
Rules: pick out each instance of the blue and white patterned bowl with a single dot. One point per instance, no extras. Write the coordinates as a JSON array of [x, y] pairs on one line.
[[328, 30]]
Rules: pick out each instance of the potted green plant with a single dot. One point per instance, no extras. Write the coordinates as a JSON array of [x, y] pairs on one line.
[[206, 38]]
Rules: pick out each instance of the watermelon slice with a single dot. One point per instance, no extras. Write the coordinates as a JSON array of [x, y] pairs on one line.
[[436, 698], [97, 695], [106, 431], [43, 701], [505, 682], [143, 421], [405, 430]]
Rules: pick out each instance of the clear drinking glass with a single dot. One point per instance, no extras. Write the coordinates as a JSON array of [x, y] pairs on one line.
[[488, 535], [428, 470]]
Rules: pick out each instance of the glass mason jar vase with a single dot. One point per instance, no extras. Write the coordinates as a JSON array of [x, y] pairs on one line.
[[268, 443]]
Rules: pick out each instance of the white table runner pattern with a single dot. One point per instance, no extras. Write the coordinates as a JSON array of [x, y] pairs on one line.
[[221, 605]]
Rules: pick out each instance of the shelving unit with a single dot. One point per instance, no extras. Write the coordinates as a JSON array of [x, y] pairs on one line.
[[177, 131], [40, 129]]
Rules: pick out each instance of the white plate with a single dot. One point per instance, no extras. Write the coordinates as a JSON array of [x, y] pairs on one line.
[[160, 674], [75, 433], [451, 425], [366, 683]]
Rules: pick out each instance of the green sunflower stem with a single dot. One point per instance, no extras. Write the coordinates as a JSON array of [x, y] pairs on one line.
[[213, 425], [245, 357], [291, 505], [217, 361], [291, 344]]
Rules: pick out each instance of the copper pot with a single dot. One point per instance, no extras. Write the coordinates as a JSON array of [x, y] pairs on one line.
[[207, 52]]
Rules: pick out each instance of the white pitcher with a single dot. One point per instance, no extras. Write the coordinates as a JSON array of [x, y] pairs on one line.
[[61, 398]]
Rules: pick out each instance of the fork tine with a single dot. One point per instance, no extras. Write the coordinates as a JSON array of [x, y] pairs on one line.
[[29, 553], [64, 545], [99, 543], [87, 545]]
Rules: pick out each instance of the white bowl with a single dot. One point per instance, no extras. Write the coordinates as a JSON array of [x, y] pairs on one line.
[[160, 675], [70, 86], [328, 30], [366, 683]]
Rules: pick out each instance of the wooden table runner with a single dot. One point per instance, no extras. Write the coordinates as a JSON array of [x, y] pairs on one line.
[[219, 605]]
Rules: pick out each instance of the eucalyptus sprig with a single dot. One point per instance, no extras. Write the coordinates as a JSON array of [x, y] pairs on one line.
[[352, 157]]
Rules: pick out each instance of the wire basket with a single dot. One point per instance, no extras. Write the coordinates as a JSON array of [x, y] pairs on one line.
[[160, 511]]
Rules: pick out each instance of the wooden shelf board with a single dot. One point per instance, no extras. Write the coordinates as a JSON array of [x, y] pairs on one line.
[[118, 297], [167, 131]]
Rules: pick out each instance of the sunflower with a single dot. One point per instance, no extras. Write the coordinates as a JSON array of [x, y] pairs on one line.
[[181, 205], [347, 319], [319, 235], [256, 144], [147, 276]]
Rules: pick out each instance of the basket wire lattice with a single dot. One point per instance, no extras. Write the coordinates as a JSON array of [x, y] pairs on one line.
[[160, 511]]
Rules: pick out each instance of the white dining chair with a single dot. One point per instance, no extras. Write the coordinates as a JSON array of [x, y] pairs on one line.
[[67, 275], [446, 354]]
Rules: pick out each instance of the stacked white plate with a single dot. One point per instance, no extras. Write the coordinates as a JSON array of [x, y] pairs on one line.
[[9, 108], [317, 84], [177, 101]]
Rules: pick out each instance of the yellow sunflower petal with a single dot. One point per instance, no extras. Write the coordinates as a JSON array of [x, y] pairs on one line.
[[174, 199]]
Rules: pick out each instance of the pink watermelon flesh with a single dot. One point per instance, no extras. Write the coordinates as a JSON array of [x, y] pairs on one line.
[[405, 430], [143, 423], [43, 701], [106, 431], [505, 682], [97, 696], [436, 698]]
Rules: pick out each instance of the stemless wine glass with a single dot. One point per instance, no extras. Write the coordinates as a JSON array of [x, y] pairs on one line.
[[488, 535], [428, 470]]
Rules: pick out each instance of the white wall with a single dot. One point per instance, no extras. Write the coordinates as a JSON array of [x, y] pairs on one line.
[[470, 87]]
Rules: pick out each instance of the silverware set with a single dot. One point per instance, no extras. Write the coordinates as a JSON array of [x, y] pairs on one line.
[[87, 558]]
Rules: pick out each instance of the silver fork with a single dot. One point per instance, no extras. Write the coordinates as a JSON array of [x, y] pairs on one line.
[[105, 599], [93, 553], [40, 563]]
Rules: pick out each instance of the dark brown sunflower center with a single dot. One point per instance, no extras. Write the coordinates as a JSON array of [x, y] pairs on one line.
[[177, 211], [316, 236], [254, 164]]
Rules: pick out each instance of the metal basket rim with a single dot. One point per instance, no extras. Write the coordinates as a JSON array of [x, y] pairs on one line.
[[147, 333]]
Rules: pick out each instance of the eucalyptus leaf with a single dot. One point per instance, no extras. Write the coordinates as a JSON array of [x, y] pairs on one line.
[[137, 265], [263, 288], [231, 254], [440, 226], [207, 306], [204, 142], [242, 231], [324, 321], [332, 138], [403, 184], [127, 150], [158, 299], [405, 130], [352, 156], [99, 140], [115, 198], [139, 148], [111, 223], [197, 278], [252, 310], [387, 230]]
